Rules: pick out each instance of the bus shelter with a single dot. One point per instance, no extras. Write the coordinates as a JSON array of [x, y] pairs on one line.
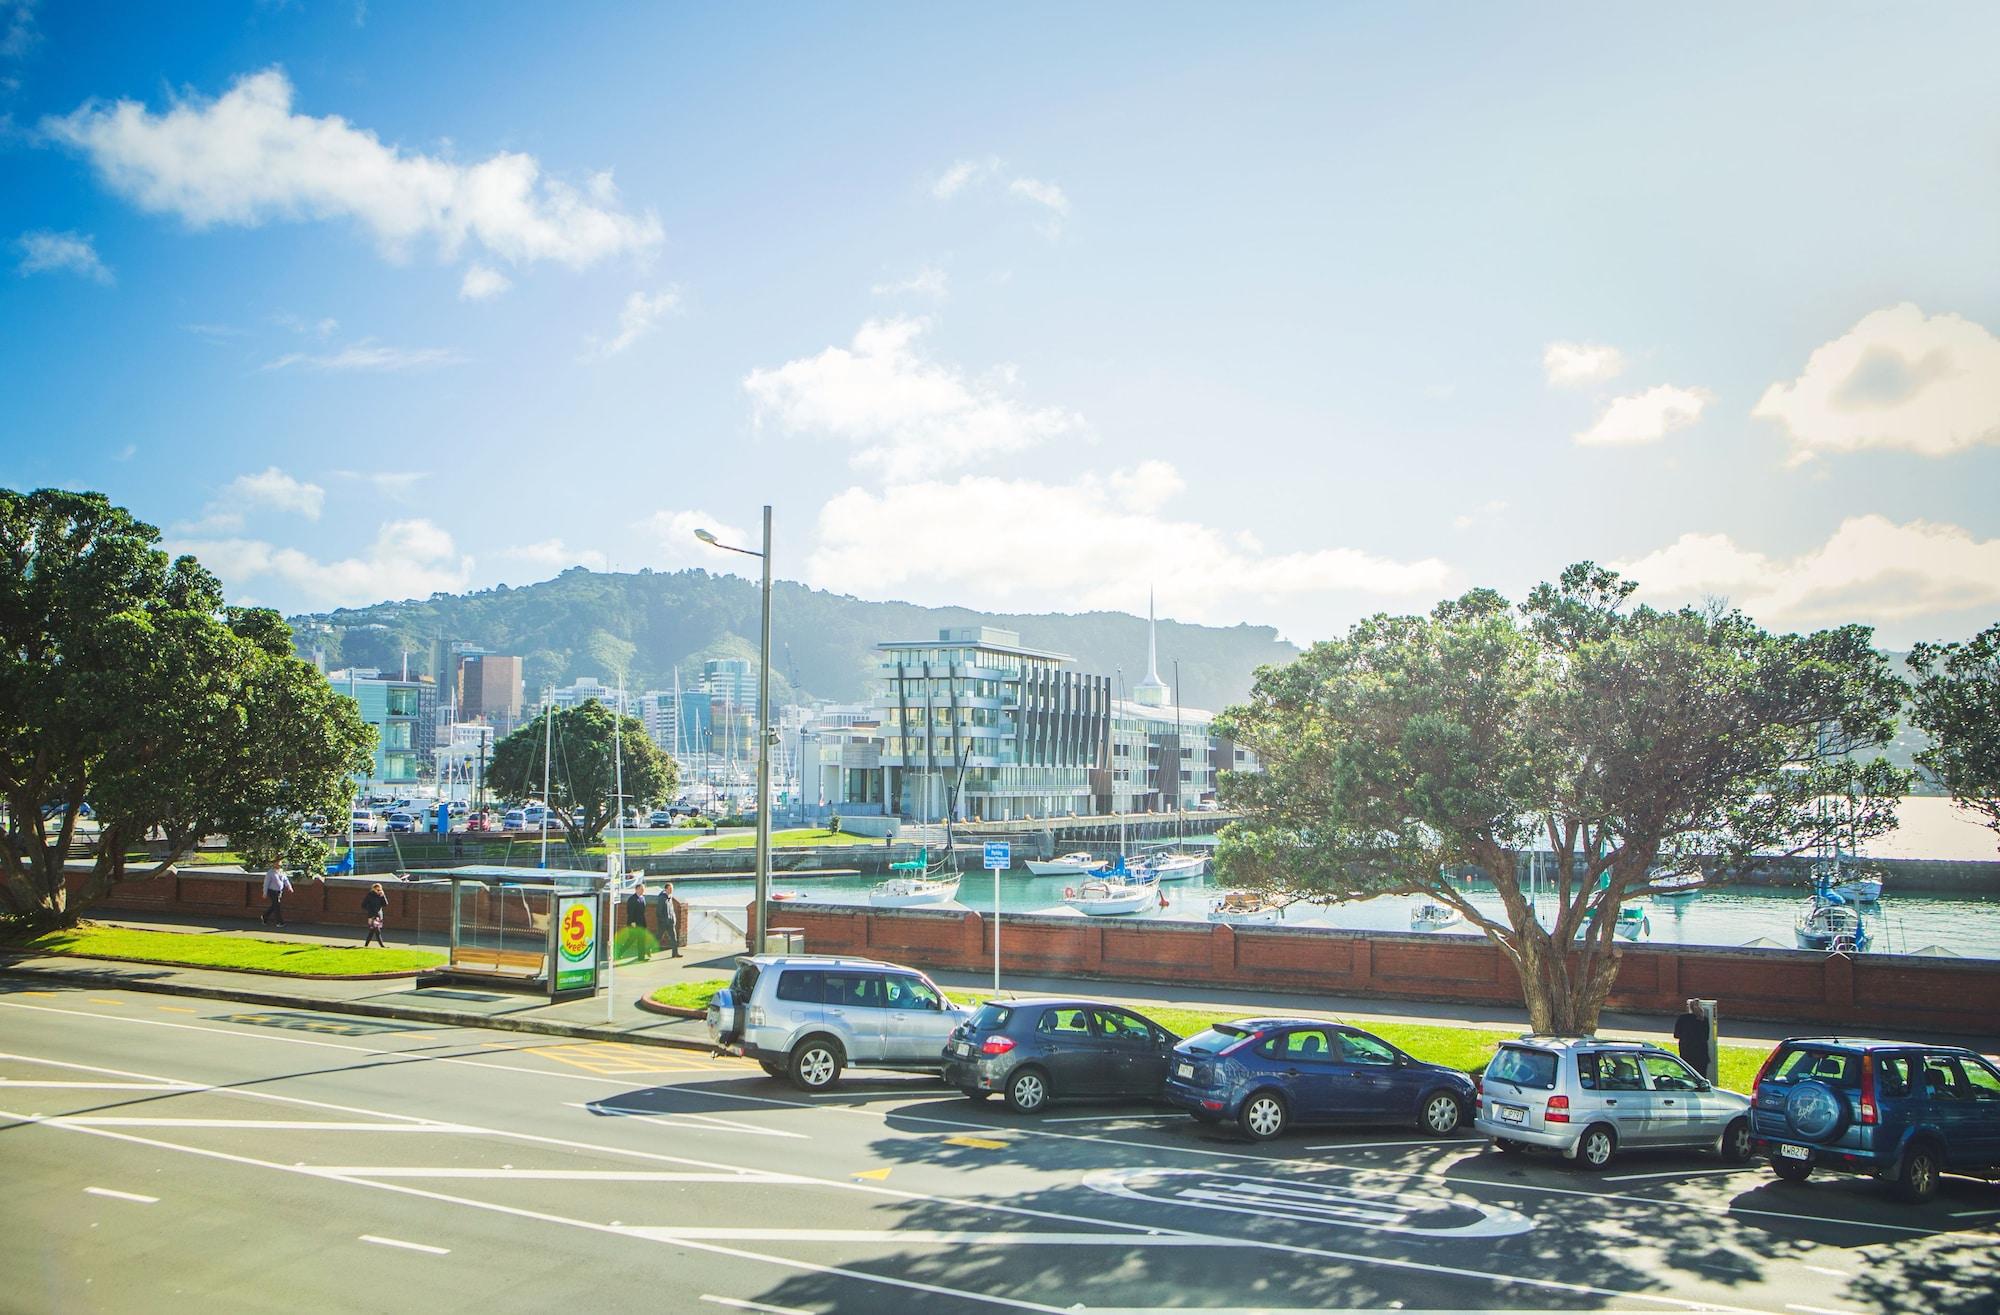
[[542, 928]]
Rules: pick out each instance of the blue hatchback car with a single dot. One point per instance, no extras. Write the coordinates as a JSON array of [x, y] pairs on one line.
[[1264, 1074]]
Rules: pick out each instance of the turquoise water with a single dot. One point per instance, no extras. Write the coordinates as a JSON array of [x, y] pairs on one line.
[[1968, 925]]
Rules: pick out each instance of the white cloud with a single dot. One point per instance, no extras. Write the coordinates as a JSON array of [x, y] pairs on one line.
[[397, 484], [930, 281], [1047, 195], [1870, 569], [367, 355], [1646, 417], [676, 547], [275, 489], [641, 314], [245, 158], [482, 282], [408, 559], [1489, 513], [962, 174], [907, 415], [555, 555], [46, 252], [1898, 379], [1574, 364], [1100, 543]]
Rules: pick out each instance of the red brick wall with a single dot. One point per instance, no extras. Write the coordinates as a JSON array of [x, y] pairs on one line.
[[1785, 986]]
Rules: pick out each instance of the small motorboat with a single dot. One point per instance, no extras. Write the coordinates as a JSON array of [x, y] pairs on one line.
[[1241, 906], [1678, 885], [1859, 890], [1174, 867], [1069, 865], [1431, 916], [1101, 897], [909, 891], [1634, 923]]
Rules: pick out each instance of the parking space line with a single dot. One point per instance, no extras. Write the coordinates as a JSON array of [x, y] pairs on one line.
[[406, 1246], [1972, 1214], [737, 1303], [279, 1125], [1367, 1145], [122, 1196], [100, 1086], [175, 1009], [1111, 1118], [1830, 1273], [1820, 1310], [1676, 1173]]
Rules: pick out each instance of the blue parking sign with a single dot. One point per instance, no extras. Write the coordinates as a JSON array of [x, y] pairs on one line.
[[999, 855]]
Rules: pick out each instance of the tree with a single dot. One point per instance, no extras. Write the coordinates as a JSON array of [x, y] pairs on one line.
[[126, 684], [582, 780], [1626, 739], [1957, 703]]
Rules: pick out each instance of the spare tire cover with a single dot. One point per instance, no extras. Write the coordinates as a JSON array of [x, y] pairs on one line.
[[1815, 1110], [722, 1016]]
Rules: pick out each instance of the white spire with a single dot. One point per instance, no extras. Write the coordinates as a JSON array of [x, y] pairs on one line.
[[1152, 691]]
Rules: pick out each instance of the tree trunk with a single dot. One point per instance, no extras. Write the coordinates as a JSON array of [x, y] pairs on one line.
[[1564, 987]]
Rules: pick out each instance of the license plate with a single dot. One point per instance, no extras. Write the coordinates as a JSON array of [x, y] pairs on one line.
[[1184, 1070], [1794, 1152], [960, 1048], [1513, 1114]]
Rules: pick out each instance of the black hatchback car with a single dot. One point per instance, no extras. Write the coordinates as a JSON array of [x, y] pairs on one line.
[[1035, 1051]]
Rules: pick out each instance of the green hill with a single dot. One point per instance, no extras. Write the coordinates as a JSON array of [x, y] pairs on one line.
[[588, 623]]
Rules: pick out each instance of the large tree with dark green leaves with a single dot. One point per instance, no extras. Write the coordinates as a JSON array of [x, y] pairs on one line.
[[1957, 703], [1626, 740], [577, 752], [127, 685]]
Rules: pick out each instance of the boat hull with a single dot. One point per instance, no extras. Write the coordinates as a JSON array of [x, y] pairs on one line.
[[1058, 868]]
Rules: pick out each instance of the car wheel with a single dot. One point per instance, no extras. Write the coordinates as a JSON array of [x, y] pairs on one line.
[[1917, 1176], [1507, 1147], [1736, 1142], [771, 1068], [1442, 1114], [815, 1064], [1599, 1144], [1792, 1171], [975, 1093], [1027, 1091], [1264, 1116]]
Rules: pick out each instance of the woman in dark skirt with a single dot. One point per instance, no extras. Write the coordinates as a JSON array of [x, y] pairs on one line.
[[375, 907]]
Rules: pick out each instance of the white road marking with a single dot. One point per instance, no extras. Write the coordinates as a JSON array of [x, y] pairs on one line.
[[290, 1125], [1676, 1173], [122, 1196], [940, 1237], [736, 1303], [697, 1122], [1972, 1214], [99, 1086], [1301, 1199], [406, 1246], [1830, 1273], [1369, 1145], [1820, 1310], [1112, 1118], [747, 1177]]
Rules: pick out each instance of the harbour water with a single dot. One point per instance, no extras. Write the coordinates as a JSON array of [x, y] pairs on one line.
[[1901, 923]]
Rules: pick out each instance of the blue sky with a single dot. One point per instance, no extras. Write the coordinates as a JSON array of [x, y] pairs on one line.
[[1294, 313]]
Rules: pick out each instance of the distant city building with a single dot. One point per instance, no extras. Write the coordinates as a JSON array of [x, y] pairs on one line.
[[487, 687], [393, 707], [586, 688]]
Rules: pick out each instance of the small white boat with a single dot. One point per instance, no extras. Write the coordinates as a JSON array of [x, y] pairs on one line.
[[1830, 923], [1241, 906], [1069, 865], [1433, 917], [1678, 885], [908, 892], [1104, 897], [1634, 923], [1174, 867], [1864, 890]]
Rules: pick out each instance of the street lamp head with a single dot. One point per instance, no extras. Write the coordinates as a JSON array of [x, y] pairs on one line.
[[706, 537]]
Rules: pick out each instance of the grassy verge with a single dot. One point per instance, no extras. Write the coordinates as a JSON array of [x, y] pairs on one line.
[[644, 844], [801, 838], [231, 952], [1462, 1048]]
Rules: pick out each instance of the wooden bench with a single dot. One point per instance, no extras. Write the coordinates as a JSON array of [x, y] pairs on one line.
[[509, 963]]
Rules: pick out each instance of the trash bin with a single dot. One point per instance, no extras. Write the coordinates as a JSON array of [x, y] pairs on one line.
[[785, 940]]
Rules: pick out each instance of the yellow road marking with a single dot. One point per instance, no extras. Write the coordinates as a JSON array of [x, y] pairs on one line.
[[618, 1057], [977, 1143], [179, 1009], [418, 1036], [47, 995], [104, 1002], [875, 1175]]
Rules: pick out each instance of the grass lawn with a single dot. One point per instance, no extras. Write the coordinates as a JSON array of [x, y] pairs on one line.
[[644, 842], [231, 952], [802, 838], [1462, 1048]]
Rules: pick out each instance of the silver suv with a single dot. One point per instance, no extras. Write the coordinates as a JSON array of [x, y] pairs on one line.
[[806, 1016], [1589, 1099]]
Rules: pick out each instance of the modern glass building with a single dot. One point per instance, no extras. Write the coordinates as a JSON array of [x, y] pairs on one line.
[[395, 709]]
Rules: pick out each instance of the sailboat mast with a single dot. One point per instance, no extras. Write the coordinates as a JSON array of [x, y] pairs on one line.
[[548, 739]]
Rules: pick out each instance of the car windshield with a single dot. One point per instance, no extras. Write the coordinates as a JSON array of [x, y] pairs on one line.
[[1216, 1038], [1523, 1067], [1838, 1067]]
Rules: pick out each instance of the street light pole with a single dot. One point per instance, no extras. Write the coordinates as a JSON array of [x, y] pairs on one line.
[[761, 908]]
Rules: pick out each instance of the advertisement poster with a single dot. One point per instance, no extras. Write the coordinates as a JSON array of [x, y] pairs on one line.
[[576, 942]]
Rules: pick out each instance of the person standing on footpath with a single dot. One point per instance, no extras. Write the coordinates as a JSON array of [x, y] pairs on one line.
[[374, 907], [1691, 1038], [635, 905], [276, 886], [670, 927]]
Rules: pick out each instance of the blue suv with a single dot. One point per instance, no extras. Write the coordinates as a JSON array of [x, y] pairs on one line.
[[1900, 1111], [1265, 1074]]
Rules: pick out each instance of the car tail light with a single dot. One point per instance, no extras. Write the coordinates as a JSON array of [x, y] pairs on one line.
[[1757, 1087], [997, 1045], [1866, 1114], [754, 1016], [1211, 1104], [1558, 1111]]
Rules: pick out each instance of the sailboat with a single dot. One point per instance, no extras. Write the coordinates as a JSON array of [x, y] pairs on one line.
[[1118, 891]]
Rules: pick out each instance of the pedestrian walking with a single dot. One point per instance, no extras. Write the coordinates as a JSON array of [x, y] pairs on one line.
[[1691, 1037], [635, 905], [374, 907], [670, 926], [276, 886]]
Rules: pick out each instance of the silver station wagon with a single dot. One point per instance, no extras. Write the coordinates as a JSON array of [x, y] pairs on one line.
[[807, 1016], [1589, 1099]]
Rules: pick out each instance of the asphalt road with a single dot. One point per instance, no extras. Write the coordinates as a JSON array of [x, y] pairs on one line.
[[173, 1155]]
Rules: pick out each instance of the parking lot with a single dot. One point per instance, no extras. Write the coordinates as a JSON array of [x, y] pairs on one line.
[[181, 1155]]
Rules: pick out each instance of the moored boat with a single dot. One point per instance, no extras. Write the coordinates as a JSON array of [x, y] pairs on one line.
[[1069, 865], [1173, 867], [910, 891], [1431, 916], [1678, 885], [1105, 897], [1860, 890], [1240, 906]]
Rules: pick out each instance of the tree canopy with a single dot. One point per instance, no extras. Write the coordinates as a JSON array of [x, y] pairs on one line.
[[1623, 740], [1957, 703], [127, 685], [582, 780]]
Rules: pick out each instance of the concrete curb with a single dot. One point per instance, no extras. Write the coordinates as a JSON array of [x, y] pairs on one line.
[[651, 1006], [406, 974], [358, 1008]]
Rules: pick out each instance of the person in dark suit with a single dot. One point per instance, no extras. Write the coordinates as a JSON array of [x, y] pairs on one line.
[[635, 906], [1691, 1037], [670, 927]]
